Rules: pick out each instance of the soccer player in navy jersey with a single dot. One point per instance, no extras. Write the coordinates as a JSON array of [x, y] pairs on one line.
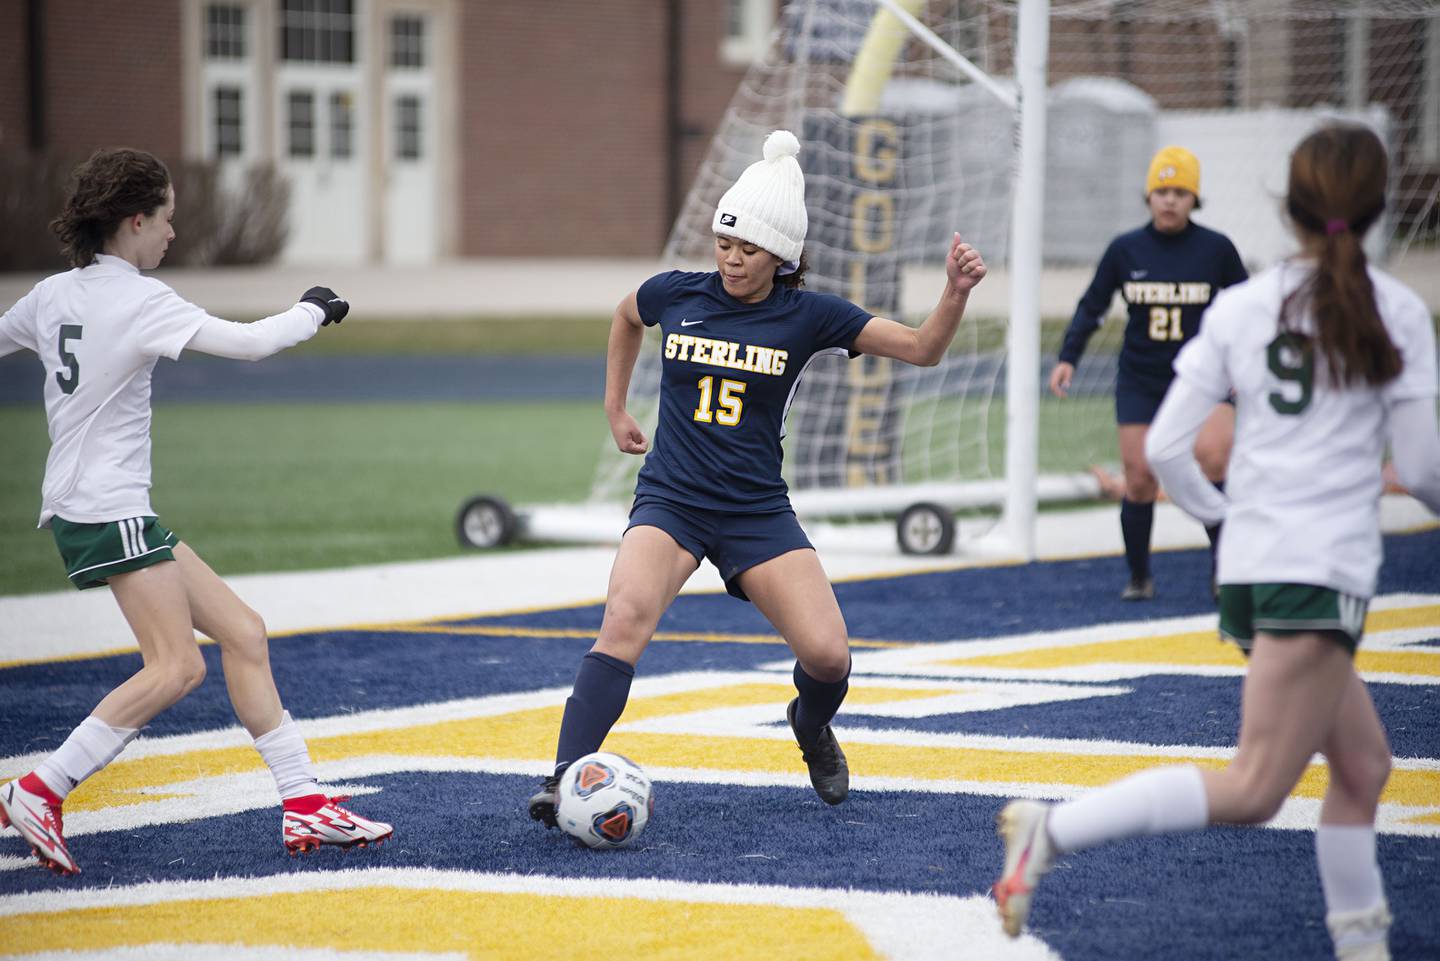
[[735, 341], [1168, 272]]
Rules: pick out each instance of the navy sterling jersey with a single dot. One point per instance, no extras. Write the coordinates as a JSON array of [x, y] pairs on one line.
[[729, 371], [1167, 281]]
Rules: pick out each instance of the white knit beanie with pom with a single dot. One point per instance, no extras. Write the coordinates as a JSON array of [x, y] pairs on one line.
[[766, 206]]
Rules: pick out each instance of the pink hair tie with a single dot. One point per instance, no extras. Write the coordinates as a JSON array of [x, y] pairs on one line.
[[1336, 226]]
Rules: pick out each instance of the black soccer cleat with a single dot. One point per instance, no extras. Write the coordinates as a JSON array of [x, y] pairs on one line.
[[1139, 589], [544, 802], [829, 773]]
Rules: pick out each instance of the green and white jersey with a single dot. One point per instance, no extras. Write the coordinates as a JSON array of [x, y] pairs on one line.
[[98, 332], [1304, 481]]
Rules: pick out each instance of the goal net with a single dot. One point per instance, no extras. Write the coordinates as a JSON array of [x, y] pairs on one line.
[[901, 146]]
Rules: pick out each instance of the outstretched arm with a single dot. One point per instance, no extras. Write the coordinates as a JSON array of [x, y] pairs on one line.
[[270, 335], [627, 333], [926, 345]]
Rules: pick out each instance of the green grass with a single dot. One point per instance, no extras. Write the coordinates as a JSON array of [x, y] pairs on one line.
[[468, 335], [581, 334], [261, 487]]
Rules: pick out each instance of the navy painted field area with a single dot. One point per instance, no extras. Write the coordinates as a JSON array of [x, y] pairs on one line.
[[969, 687]]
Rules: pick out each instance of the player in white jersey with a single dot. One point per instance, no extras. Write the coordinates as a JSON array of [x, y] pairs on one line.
[[99, 330], [1327, 358]]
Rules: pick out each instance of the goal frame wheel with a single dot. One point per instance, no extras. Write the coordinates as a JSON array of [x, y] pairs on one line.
[[925, 528], [485, 522]]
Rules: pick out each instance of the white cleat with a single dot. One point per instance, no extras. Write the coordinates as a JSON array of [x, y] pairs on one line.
[[1361, 935], [40, 823], [1028, 855], [330, 824]]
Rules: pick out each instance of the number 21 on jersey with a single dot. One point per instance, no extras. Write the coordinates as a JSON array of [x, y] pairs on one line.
[[730, 404], [1165, 324]]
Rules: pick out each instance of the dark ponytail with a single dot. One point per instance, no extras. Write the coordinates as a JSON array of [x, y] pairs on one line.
[[113, 185], [796, 278], [1336, 192]]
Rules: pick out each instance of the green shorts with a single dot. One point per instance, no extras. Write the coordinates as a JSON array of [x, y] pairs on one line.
[[1283, 609], [94, 552]]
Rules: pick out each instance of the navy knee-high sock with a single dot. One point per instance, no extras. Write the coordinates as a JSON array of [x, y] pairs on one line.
[[819, 700], [602, 687], [1135, 523]]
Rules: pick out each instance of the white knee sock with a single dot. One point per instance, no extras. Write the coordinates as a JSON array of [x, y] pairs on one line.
[[89, 748], [1349, 870], [1159, 801], [285, 753]]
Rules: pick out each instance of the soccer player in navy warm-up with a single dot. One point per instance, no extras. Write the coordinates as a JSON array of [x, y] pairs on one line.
[[1168, 272], [735, 341]]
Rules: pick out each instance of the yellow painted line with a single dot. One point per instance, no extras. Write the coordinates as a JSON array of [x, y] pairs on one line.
[[486, 926], [529, 735], [1403, 618], [1204, 648]]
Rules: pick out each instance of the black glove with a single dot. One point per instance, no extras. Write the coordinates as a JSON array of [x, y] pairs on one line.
[[323, 297]]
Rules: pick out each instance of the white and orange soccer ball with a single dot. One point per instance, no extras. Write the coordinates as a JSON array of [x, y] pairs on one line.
[[605, 800]]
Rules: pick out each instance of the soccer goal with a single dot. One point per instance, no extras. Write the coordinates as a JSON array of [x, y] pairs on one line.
[[915, 122]]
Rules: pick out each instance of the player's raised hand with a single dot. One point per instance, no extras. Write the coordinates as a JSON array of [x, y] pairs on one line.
[[963, 265], [628, 435], [335, 306]]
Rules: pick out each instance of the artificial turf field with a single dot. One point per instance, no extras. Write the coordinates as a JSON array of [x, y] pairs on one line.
[[969, 686], [302, 484]]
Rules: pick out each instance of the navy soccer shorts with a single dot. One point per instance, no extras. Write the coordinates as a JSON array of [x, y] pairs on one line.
[[1136, 405], [733, 542]]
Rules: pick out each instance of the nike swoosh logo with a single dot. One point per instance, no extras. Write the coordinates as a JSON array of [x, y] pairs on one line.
[[1138, 274], [690, 323]]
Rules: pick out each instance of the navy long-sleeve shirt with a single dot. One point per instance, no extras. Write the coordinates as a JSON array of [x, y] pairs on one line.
[[1167, 281]]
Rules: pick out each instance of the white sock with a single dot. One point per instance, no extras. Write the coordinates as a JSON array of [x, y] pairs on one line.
[[285, 753], [89, 748], [1349, 870], [1158, 801]]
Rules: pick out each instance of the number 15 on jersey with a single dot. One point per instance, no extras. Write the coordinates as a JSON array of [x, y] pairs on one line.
[[728, 412]]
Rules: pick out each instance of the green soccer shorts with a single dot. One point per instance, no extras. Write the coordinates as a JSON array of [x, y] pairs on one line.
[[1282, 609], [94, 552]]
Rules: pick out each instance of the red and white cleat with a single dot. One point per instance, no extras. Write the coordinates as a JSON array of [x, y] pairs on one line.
[[1028, 855], [28, 806], [316, 820]]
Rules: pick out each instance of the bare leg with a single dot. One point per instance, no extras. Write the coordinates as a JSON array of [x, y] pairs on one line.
[[795, 595], [1294, 690], [649, 570], [1140, 485], [1359, 756], [244, 649], [154, 603]]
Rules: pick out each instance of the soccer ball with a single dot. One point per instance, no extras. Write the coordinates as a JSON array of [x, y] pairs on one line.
[[605, 800]]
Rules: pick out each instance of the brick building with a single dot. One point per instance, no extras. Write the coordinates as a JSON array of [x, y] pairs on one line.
[[411, 130], [408, 129]]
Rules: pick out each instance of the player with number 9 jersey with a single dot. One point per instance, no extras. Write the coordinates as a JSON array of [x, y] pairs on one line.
[[1304, 484], [1327, 358]]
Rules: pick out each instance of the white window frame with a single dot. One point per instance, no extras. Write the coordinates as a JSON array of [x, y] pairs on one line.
[[744, 46]]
